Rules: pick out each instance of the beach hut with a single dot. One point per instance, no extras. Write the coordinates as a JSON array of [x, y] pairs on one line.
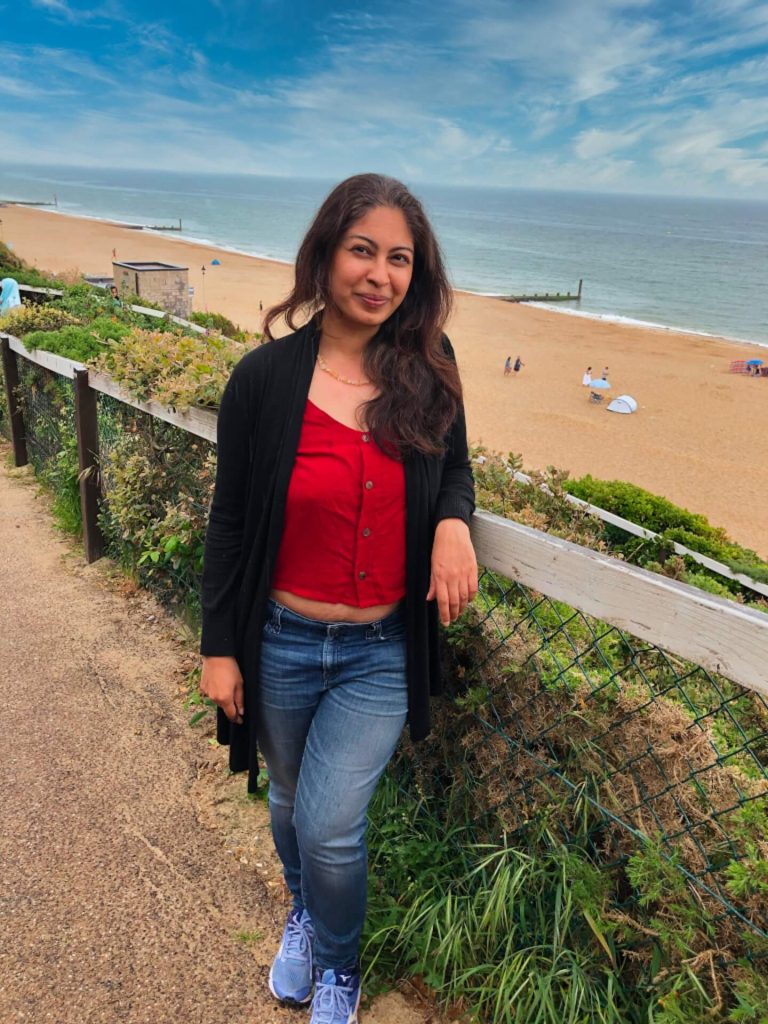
[[624, 404], [167, 284]]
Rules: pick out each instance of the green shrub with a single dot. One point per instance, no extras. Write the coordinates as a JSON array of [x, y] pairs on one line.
[[756, 571], [640, 506], [220, 324], [215, 322], [540, 504], [132, 299], [705, 581], [23, 320], [158, 482], [83, 344], [177, 370], [10, 263], [673, 524], [109, 328], [86, 302]]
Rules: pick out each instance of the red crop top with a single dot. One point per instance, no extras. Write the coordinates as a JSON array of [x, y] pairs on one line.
[[344, 529]]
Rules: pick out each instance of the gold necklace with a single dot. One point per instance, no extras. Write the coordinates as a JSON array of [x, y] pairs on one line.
[[337, 376]]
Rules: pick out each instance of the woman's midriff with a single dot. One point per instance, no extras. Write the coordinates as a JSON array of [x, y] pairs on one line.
[[326, 611]]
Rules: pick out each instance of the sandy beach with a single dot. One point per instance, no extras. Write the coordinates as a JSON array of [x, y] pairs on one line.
[[700, 436]]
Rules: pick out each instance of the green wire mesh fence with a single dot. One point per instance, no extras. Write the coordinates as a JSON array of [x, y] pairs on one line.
[[564, 716], [5, 426], [156, 484], [47, 404], [44, 398]]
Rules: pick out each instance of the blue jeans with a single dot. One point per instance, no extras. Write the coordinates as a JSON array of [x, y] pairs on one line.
[[332, 703]]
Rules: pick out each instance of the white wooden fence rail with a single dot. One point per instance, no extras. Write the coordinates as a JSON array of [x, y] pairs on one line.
[[718, 634]]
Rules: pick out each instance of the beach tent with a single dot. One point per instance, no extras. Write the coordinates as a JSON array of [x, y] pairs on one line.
[[10, 295], [624, 404], [600, 383]]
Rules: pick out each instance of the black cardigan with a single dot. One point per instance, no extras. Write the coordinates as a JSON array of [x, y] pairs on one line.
[[259, 424]]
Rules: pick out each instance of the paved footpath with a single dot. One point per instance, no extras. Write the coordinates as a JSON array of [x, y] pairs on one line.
[[117, 902]]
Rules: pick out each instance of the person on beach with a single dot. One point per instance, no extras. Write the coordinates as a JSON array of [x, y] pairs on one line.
[[508, 366], [338, 539], [586, 380], [605, 373], [518, 364], [9, 294]]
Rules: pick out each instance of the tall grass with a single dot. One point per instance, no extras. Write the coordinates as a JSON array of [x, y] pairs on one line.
[[501, 934]]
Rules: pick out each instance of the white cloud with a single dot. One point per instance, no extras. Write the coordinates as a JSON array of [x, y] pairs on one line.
[[19, 89], [587, 48], [597, 142], [707, 143], [55, 6], [61, 10]]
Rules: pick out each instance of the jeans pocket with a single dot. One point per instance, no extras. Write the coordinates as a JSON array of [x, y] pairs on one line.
[[272, 623]]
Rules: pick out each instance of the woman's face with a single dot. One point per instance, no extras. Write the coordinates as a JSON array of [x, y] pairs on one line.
[[372, 268]]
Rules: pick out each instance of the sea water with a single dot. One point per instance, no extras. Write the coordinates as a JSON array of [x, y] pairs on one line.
[[688, 263]]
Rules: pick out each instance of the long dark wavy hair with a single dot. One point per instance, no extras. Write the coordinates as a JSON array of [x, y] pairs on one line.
[[417, 379]]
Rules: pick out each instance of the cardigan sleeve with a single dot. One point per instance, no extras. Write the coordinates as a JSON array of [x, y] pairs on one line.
[[456, 499], [224, 536]]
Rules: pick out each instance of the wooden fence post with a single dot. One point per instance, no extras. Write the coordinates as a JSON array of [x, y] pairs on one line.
[[11, 376], [88, 457]]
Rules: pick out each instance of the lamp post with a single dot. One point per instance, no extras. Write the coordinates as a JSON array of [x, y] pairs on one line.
[[205, 304]]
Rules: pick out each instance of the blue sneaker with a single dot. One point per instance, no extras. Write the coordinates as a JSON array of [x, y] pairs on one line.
[[337, 997], [290, 976]]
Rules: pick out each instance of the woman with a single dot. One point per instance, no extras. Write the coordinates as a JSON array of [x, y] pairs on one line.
[[9, 294], [338, 532]]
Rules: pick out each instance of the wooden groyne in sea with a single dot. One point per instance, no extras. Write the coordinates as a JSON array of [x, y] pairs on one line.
[[117, 224], [149, 227], [546, 296], [28, 202], [164, 227]]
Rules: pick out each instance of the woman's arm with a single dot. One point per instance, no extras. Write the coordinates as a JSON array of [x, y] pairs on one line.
[[453, 579]]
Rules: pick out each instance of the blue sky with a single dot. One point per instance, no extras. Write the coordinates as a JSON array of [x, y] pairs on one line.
[[612, 95]]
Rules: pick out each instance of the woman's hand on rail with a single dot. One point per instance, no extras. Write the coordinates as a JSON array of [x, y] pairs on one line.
[[222, 681], [453, 581]]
